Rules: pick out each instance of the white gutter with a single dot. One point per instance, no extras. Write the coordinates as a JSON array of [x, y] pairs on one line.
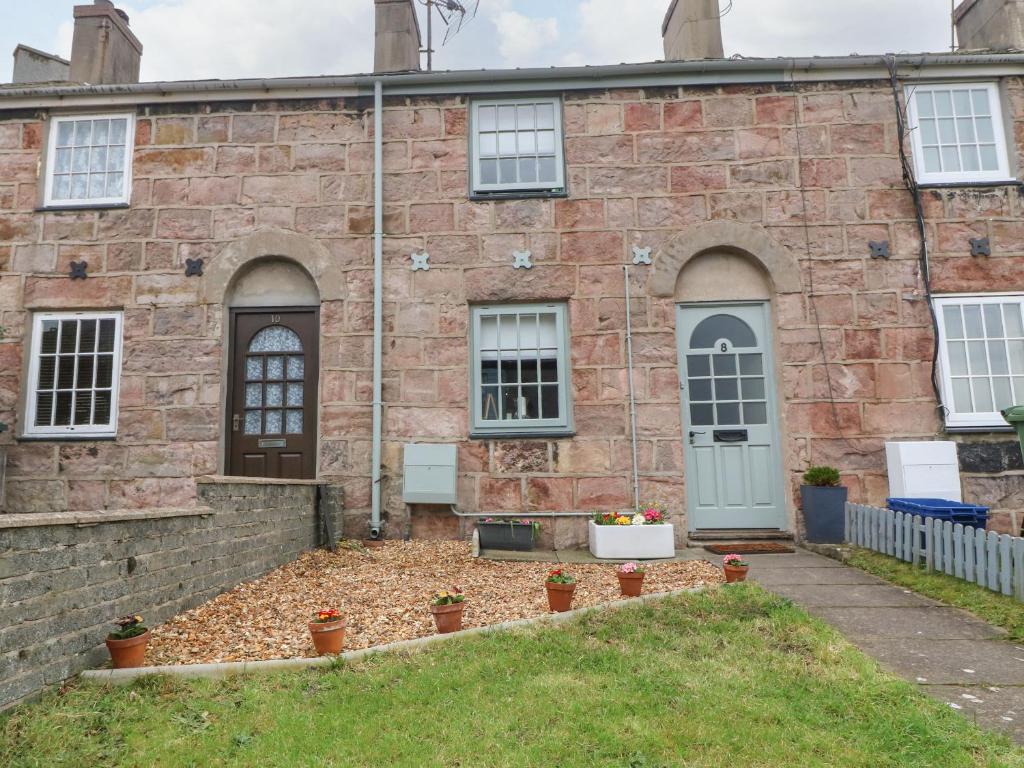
[[651, 74], [378, 304]]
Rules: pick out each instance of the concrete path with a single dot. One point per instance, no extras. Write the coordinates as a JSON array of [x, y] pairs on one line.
[[952, 656]]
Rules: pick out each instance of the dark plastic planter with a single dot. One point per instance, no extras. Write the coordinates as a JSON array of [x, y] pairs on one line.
[[514, 536], [824, 515]]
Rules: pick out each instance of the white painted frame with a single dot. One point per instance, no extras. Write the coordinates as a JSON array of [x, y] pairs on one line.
[[1002, 174], [563, 425], [954, 419], [69, 430], [51, 159], [477, 187]]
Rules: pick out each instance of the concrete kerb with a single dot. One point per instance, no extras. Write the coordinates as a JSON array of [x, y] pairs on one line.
[[225, 669]]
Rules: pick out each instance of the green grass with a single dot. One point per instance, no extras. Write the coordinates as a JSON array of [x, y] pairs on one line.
[[731, 677], [993, 607]]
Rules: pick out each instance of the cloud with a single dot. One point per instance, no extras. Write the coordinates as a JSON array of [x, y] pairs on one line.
[[521, 38]]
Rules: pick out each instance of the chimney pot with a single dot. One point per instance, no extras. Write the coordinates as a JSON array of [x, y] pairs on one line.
[[996, 25], [692, 30], [397, 40], [104, 49]]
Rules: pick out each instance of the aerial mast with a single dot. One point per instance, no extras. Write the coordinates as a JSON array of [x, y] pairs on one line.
[[453, 14]]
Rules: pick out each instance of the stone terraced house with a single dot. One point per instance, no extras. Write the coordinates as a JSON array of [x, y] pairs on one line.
[[796, 259]]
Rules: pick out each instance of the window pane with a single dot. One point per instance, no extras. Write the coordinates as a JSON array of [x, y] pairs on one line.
[[550, 402], [83, 132], [118, 131], [726, 389], [932, 160], [1016, 348], [546, 142], [1018, 389], [943, 104], [253, 368], [965, 130], [276, 338], [929, 133], [47, 371], [65, 133], [947, 131], [101, 408], [296, 367], [295, 394], [507, 170], [549, 370], [962, 103], [1003, 392], [61, 187], [80, 160], [106, 341], [545, 116], [924, 104], [547, 170], [87, 336], [982, 395], [97, 186], [962, 396], [79, 186], [525, 120], [293, 422], [969, 157], [253, 395], [488, 171], [275, 394], [755, 413], [753, 389], [62, 417], [83, 407], [953, 321], [728, 413], [725, 365], [273, 423], [62, 162], [993, 321], [980, 98], [100, 131], [506, 118], [700, 389], [66, 372], [983, 126], [506, 144], [977, 357], [252, 422], [950, 159], [489, 404], [527, 143], [989, 158], [701, 415], [957, 358], [85, 371], [486, 117], [69, 336], [488, 144], [115, 159], [1014, 326], [750, 365], [529, 402], [115, 184], [275, 367], [104, 370], [48, 342], [997, 357], [698, 365], [44, 408], [972, 321], [528, 370]]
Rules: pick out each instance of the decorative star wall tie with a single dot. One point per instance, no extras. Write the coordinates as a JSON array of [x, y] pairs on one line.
[[78, 270], [522, 260], [193, 267], [419, 261], [980, 246], [641, 255], [879, 250]]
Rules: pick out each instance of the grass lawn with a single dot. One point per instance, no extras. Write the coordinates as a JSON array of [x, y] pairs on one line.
[[732, 677], [991, 606]]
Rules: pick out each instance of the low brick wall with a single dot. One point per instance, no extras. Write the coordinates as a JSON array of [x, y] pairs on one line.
[[65, 577]]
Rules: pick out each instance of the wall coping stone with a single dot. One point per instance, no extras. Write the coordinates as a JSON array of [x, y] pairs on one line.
[[36, 519]]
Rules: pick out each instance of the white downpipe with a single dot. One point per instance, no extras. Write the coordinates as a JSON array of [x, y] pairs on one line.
[[632, 396], [378, 304]]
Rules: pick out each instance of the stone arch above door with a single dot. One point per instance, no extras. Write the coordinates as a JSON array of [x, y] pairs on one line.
[[724, 236], [273, 244]]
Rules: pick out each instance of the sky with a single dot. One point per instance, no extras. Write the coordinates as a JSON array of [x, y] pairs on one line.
[[197, 39]]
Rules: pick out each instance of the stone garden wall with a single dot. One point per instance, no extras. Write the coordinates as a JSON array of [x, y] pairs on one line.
[[644, 166], [64, 577]]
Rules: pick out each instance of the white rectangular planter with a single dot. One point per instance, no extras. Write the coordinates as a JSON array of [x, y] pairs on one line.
[[632, 542]]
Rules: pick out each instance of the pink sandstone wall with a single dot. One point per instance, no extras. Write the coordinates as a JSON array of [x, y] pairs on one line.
[[643, 165]]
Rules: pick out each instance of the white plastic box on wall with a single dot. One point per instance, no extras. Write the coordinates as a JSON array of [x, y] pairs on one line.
[[430, 474], [923, 469]]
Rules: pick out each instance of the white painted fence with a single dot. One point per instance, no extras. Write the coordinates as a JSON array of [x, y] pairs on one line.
[[984, 557]]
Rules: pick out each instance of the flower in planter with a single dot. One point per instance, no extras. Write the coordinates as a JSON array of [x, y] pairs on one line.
[[734, 561], [448, 597], [559, 576], [628, 568], [623, 520], [323, 617], [129, 626]]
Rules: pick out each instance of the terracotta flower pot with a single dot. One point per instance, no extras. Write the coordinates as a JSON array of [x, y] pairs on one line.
[[630, 584], [328, 636], [734, 573], [448, 618], [559, 596], [125, 654]]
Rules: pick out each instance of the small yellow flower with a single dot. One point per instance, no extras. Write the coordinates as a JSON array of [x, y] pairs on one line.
[[622, 520]]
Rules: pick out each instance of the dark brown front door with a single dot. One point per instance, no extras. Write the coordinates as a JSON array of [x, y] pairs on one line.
[[272, 398]]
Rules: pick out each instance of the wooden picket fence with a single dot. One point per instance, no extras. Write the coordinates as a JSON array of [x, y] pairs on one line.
[[984, 557]]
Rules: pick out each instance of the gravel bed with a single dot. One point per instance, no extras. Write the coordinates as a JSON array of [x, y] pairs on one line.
[[384, 595]]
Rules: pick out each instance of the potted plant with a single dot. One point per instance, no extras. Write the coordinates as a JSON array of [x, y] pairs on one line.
[[735, 568], [328, 631], [823, 501], [517, 535], [127, 644], [631, 579], [560, 587], [640, 534], [447, 609]]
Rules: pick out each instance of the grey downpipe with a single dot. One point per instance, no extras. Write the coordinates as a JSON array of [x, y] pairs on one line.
[[378, 305], [632, 394]]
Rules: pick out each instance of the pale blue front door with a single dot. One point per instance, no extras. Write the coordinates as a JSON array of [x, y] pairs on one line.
[[730, 424]]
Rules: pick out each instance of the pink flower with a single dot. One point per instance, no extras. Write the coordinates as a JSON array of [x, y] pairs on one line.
[[733, 560], [627, 568]]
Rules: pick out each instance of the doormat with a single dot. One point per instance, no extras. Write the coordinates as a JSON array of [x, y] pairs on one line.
[[750, 548]]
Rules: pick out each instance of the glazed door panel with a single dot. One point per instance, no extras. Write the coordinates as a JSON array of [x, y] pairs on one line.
[[272, 398]]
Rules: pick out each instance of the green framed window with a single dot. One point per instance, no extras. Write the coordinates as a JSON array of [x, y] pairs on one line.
[[520, 378], [516, 146]]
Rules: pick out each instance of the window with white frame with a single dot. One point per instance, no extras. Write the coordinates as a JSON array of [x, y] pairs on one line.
[[981, 357], [957, 133], [516, 146], [520, 369], [89, 160], [74, 373]]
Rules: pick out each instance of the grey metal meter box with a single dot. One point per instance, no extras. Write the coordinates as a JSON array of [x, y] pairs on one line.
[[430, 474]]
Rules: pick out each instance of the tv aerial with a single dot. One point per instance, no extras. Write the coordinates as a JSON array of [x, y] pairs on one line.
[[453, 14]]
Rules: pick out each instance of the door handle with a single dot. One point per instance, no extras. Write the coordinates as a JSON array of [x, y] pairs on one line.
[[236, 422], [694, 434]]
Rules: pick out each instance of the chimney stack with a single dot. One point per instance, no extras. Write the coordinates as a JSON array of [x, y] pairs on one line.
[[692, 30], [994, 25], [396, 36], [35, 66], [104, 50]]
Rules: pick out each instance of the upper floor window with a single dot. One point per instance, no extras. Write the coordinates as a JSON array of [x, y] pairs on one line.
[[89, 160], [516, 146], [981, 356], [957, 133], [520, 370], [74, 372]]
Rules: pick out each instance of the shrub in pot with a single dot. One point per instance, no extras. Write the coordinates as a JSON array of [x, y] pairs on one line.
[[447, 609], [127, 644], [328, 631], [631, 579], [517, 535], [735, 568], [823, 501], [560, 587]]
